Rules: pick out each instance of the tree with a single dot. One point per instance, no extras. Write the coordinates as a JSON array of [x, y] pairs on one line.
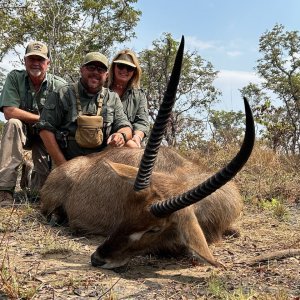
[[279, 68], [227, 127], [70, 28], [275, 130], [1, 129], [195, 92], [2, 78]]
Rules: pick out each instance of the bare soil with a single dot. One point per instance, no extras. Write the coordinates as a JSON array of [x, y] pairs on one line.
[[43, 262]]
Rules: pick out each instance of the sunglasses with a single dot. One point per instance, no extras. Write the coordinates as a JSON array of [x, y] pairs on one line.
[[93, 68], [123, 66]]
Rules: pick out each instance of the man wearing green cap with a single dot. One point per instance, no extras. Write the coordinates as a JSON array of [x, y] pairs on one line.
[[22, 101], [60, 121]]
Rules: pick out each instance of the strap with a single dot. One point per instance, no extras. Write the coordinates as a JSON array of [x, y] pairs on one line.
[[78, 105], [99, 99]]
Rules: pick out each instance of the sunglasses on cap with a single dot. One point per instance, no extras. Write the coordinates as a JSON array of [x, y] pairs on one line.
[[93, 68], [123, 66]]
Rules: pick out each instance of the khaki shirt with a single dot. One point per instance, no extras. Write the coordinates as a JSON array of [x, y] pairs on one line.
[[60, 111], [135, 107], [18, 91]]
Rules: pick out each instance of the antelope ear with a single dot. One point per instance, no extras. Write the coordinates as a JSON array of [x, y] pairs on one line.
[[123, 171], [195, 240]]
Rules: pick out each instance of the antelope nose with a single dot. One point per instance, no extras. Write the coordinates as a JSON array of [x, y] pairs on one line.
[[95, 261]]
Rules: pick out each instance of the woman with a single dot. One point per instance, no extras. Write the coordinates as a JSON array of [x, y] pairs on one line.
[[124, 79]]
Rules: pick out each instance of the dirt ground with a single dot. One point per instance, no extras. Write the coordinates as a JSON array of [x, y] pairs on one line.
[[43, 262]]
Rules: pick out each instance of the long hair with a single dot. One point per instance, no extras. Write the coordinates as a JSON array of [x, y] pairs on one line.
[[134, 82]]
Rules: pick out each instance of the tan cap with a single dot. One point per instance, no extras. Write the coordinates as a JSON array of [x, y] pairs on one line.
[[37, 48], [95, 56], [125, 59]]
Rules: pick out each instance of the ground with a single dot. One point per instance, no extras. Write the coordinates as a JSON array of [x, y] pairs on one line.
[[44, 262]]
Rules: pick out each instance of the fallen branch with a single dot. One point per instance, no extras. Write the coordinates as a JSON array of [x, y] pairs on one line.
[[274, 255]]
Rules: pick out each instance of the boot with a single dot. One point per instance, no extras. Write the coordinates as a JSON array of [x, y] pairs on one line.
[[6, 198]]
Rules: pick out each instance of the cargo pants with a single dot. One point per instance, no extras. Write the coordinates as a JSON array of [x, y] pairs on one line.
[[11, 156]]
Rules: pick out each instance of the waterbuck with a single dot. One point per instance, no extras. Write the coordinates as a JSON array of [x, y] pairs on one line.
[[148, 200]]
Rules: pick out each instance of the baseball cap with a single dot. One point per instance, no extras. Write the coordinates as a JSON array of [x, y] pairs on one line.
[[95, 56], [125, 59], [37, 48]]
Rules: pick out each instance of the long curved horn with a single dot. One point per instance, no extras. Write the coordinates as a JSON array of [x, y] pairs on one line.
[[164, 208], [142, 180]]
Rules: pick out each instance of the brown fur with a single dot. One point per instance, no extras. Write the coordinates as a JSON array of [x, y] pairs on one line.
[[96, 193]]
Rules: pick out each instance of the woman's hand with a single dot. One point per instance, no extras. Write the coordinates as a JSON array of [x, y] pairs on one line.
[[135, 142], [132, 144]]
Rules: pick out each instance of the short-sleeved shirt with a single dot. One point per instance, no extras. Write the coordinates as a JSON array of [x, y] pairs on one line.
[[135, 106], [60, 113], [18, 91]]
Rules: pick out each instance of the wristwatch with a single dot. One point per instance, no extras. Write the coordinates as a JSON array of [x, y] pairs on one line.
[[124, 136]]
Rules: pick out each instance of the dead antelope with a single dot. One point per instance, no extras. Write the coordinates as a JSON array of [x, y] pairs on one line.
[[148, 201]]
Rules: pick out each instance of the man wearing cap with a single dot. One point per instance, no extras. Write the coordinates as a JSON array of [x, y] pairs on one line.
[[59, 120], [22, 101]]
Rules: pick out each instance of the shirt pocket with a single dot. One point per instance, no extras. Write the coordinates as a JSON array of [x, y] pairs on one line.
[[49, 106], [108, 114]]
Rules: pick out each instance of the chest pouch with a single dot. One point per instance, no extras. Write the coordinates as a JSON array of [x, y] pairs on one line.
[[89, 132]]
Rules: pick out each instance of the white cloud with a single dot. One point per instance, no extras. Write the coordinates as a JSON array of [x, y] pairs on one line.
[[238, 76], [229, 82], [234, 53], [194, 42], [231, 49]]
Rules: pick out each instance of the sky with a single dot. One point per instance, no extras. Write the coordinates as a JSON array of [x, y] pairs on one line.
[[224, 32]]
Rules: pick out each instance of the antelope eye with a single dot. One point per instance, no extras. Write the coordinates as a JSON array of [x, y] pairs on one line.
[[154, 229]]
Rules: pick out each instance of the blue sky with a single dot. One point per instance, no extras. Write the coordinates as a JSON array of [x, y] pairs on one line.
[[224, 32]]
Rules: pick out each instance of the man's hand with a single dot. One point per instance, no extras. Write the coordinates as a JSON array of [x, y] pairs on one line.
[[116, 140]]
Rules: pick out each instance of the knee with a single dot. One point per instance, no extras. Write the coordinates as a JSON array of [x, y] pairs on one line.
[[15, 123], [13, 129]]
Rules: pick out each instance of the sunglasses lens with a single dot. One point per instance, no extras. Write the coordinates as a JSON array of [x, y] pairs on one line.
[[93, 68]]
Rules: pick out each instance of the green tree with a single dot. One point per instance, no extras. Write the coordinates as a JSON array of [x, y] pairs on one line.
[[275, 131], [69, 27], [1, 129], [2, 78], [279, 68], [227, 127], [195, 92]]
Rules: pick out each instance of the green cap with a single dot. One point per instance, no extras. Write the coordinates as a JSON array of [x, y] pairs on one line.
[[95, 56], [125, 59], [37, 48]]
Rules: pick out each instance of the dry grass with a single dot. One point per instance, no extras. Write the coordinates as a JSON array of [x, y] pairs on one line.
[[43, 262], [265, 176]]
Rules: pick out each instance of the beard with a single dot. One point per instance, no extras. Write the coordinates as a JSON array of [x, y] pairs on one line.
[[35, 72], [93, 84]]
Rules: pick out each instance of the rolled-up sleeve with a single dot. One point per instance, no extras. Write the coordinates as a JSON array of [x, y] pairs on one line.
[[10, 95], [141, 120], [115, 112]]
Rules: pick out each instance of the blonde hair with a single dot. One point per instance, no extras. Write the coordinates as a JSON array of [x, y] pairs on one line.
[[134, 82]]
